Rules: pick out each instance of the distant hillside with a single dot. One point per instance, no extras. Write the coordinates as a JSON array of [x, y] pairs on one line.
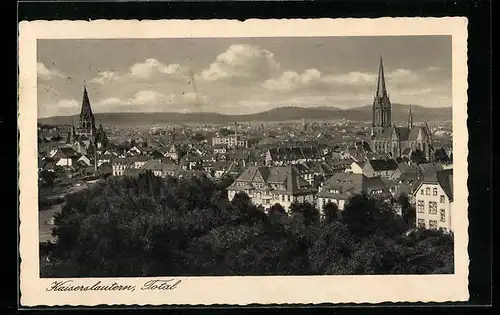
[[399, 115]]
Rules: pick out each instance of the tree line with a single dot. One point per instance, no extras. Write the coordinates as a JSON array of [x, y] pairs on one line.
[[150, 226]]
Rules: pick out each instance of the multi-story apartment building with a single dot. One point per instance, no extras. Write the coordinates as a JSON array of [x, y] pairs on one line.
[[230, 141], [434, 200], [267, 186], [119, 165]]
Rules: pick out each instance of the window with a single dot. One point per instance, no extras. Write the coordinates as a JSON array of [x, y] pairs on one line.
[[288, 198], [441, 199], [432, 207], [421, 223], [442, 214], [427, 191], [434, 191], [420, 206], [433, 224], [422, 191]]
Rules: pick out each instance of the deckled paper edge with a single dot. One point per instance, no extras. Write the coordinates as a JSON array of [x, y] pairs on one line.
[[243, 290]]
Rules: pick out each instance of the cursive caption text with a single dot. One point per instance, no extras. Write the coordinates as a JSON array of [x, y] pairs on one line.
[[150, 285]]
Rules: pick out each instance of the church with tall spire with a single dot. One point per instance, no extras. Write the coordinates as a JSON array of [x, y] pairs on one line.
[[386, 137], [86, 122], [85, 135], [381, 103]]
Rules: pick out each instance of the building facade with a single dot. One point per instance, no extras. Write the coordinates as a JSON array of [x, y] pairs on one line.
[[382, 168], [267, 186], [231, 141], [434, 200]]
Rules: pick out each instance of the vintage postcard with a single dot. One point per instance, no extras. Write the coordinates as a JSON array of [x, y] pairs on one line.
[[220, 162]]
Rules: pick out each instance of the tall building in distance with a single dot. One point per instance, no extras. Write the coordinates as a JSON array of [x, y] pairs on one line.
[[395, 141], [86, 131], [86, 122], [381, 103]]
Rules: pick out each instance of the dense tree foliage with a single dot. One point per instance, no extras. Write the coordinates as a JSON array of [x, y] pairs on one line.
[[330, 212], [149, 226], [47, 178], [408, 211], [441, 156], [418, 157]]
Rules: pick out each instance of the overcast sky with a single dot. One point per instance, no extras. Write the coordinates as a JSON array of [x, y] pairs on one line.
[[239, 75]]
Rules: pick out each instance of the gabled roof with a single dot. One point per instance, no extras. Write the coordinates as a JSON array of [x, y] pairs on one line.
[[374, 183], [403, 133], [429, 169], [66, 152], [343, 185], [409, 176], [445, 179], [341, 164], [383, 165], [283, 175], [442, 177], [413, 135]]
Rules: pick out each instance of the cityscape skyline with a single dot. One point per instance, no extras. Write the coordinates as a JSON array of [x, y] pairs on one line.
[[240, 76]]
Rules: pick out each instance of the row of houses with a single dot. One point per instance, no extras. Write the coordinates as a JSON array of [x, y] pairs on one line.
[[429, 188], [358, 151], [166, 167]]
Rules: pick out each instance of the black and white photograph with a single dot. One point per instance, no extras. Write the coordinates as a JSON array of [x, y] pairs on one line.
[[252, 156]]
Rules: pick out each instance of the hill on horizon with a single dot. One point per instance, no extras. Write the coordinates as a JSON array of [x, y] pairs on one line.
[[289, 113]]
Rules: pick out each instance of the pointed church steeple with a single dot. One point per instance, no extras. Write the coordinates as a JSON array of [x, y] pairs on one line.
[[86, 124], [381, 103], [86, 109], [381, 88], [410, 118]]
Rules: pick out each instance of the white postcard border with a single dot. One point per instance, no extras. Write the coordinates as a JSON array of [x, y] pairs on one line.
[[240, 290]]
